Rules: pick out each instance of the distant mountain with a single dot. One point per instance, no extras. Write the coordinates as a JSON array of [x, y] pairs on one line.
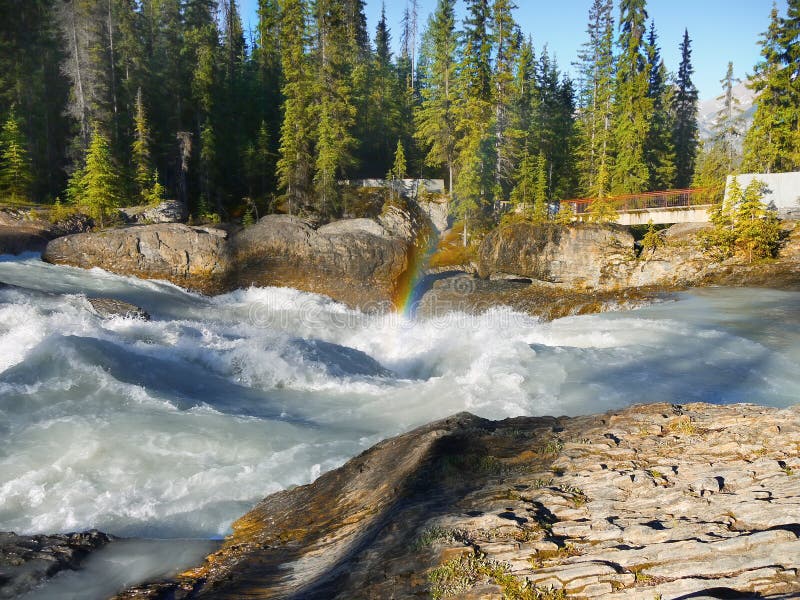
[[708, 109]]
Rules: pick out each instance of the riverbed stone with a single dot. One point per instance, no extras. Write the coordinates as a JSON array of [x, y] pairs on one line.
[[464, 496]]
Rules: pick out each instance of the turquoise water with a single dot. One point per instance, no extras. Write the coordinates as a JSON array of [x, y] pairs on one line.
[[173, 428]]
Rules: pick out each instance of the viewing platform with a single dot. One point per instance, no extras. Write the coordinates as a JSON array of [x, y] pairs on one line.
[[667, 207]]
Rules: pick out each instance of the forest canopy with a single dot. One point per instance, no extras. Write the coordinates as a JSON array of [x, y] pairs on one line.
[[174, 98]]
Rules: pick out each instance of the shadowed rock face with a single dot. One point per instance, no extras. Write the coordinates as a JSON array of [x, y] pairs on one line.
[[27, 560], [656, 500], [356, 261]]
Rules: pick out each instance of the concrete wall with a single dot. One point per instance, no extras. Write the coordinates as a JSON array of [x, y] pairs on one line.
[[407, 187], [665, 216], [783, 189]]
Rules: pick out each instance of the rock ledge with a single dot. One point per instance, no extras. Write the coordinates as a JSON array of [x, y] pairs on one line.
[[656, 501]]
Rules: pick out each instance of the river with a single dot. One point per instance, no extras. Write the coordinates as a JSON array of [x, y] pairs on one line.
[[174, 427]]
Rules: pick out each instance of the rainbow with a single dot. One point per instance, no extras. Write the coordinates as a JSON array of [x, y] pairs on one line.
[[409, 290]]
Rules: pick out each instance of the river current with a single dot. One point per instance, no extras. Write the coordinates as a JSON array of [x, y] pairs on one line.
[[174, 427]]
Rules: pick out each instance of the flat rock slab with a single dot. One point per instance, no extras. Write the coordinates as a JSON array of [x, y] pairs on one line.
[[656, 501]]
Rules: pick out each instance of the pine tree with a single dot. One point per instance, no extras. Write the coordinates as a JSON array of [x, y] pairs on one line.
[[596, 67], [335, 110], [295, 165], [435, 117], [507, 137], [659, 149], [15, 164], [399, 168], [772, 143], [101, 181], [140, 150], [684, 133], [727, 131], [474, 118], [633, 108], [756, 228]]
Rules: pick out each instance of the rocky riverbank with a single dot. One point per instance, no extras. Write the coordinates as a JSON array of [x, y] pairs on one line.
[[655, 501], [551, 272], [361, 262]]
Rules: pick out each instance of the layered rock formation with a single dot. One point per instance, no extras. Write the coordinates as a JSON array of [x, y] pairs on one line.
[[580, 257], [360, 262], [656, 501]]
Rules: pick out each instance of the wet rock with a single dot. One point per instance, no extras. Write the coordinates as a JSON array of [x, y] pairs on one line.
[[483, 502], [27, 560], [109, 308]]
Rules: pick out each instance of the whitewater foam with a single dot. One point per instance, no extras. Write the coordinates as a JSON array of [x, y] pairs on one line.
[[176, 426]]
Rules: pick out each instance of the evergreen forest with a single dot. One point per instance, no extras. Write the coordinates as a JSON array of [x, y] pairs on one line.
[[106, 103]]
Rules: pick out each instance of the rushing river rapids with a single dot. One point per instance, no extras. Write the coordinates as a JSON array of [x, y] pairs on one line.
[[174, 427]]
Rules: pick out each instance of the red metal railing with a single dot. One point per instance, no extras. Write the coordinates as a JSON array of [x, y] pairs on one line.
[[648, 200]]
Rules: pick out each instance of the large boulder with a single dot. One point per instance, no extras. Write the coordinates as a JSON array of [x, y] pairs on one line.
[[192, 257], [582, 257], [356, 261], [361, 262]]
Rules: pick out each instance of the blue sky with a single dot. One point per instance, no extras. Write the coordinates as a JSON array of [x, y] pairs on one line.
[[721, 30]]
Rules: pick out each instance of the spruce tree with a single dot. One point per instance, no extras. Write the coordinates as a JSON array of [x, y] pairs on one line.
[[756, 228], [335, 109], [435, 117], [15, 164], [772, 143], [633, 108], [295, 165], [383, 121], [101, 181], [474, 118], [399, 169], [540, 204], [507, 135], [685, 134], [728, 125], [659, 149], [140, 150], [596, 68]]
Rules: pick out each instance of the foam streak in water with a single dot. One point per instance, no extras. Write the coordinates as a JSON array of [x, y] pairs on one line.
[[175, 427]]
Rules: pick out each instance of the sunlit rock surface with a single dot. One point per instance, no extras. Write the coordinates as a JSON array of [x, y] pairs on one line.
[[192, 257], [361, 262], [653, 501]]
